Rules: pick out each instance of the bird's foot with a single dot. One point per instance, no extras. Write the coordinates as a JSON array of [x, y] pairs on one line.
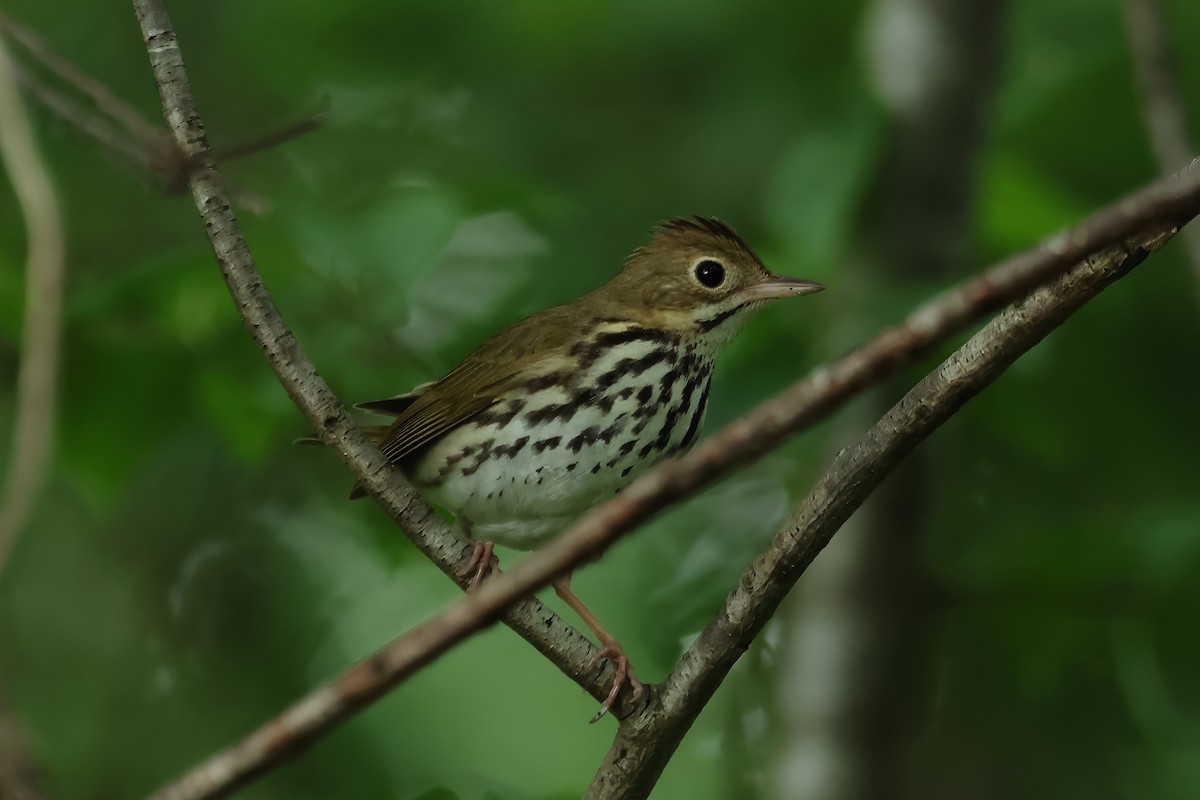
[[483, 563], [612, 651]]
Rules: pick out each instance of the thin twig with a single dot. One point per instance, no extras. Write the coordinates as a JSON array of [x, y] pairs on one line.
[[93, 124], [105, 99], [1163, 108], [643, 747], [118, 126], [311, 122]]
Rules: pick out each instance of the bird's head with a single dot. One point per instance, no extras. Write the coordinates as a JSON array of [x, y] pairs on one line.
[[699, 278]]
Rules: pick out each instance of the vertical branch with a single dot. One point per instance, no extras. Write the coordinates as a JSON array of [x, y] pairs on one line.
[[33, 425], [1163, 108]]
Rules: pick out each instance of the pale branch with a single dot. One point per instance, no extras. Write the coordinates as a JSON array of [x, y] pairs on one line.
[[45, 262], [1154, 64], [1164, 110], [646, 742], [37, 376], [1167, 203]]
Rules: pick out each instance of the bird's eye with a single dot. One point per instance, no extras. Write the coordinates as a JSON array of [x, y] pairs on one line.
[[710, 273]]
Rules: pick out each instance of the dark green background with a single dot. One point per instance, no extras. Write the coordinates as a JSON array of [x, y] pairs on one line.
[[188, 572]]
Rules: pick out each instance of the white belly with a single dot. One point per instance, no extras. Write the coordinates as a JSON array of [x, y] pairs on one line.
[[524, 482]]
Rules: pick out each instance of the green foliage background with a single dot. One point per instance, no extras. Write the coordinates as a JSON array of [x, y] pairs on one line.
[[189, 572]]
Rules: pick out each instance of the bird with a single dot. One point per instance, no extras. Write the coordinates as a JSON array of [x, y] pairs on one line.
[[560, 411]]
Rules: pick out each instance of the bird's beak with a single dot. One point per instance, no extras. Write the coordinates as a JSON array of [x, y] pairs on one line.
[[776, 287]]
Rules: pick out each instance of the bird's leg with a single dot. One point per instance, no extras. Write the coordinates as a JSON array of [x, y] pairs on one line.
[[609, 648], [483, 561]]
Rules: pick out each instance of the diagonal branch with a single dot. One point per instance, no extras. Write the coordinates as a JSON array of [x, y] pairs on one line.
[[116, 125], [94, 125], [104, 98], [109, 120]]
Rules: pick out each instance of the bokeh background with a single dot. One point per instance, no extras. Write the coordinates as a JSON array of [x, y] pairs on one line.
[[1013, 615]]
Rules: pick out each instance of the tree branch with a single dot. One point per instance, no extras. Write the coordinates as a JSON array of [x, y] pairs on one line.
[[112, 122], [95, 125], [33, 420], [116, 125], [104, 98], [643, 747], [33, 423]]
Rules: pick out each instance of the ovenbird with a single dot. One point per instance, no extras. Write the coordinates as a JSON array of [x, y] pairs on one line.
[[563, 409]]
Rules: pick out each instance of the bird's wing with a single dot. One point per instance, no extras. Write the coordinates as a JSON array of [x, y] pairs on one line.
[[484, 377]]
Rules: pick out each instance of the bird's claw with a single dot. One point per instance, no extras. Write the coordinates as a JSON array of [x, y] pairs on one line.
[[483, 562], [623, 675]]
